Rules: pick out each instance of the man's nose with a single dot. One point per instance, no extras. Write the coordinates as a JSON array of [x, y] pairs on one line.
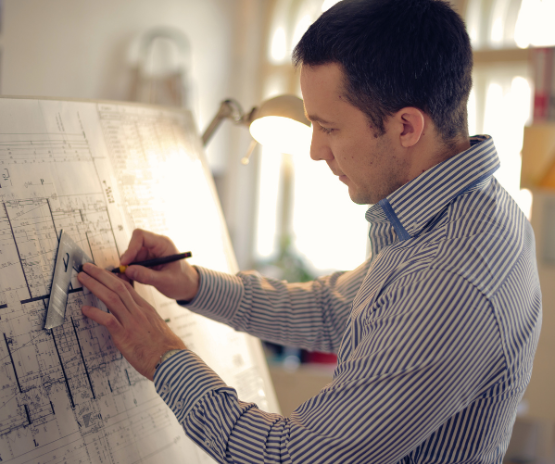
[[319, 148]]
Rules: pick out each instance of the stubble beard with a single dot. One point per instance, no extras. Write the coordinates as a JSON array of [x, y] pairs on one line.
[[391, 180]]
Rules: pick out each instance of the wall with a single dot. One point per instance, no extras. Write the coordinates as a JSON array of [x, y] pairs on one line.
[[83, 49], [540, 394], [238, 186]]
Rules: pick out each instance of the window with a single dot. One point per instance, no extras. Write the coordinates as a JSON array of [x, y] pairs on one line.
[[321, 226], [501, 99]]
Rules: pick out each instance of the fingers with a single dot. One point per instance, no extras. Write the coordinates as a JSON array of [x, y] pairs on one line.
[[146, 276], [136, 244], [177, 280], [100, 317], [138, 299], [125, 279], [145, 245], [137, 330], [112, 291]]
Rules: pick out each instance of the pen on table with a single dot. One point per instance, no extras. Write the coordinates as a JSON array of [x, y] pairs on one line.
[[153, 262]]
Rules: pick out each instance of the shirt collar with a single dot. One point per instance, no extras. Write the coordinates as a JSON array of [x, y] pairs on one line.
[[411, 207]]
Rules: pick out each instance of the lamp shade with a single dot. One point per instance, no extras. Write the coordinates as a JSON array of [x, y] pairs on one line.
[[281, 124]]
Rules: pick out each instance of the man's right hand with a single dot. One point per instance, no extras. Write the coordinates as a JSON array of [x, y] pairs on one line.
[[177, 280]]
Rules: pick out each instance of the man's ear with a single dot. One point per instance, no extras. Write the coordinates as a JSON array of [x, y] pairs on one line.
[[411, 123]]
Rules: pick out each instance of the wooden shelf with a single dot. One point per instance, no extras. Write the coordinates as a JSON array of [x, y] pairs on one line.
[[538, 157]]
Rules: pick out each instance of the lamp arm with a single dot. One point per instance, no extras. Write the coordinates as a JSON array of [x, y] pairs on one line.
[[229, 109]]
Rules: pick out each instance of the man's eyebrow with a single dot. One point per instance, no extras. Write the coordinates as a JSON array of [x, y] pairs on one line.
[[315, 118]]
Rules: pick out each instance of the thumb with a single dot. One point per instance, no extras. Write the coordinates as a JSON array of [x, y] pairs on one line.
[[144, 275]]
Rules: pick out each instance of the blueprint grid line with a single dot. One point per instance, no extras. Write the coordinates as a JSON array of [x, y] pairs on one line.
[[16, 247]]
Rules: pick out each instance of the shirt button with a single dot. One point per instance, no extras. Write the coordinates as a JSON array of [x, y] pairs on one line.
[[179, 405], [165, 388]]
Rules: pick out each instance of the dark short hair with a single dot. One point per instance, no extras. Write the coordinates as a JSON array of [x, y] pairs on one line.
[[396, 53]]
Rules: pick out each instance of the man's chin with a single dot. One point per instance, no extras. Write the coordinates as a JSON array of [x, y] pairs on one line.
[[358, 197]]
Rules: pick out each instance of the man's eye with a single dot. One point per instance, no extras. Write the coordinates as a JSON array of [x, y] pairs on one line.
[[325, 129]]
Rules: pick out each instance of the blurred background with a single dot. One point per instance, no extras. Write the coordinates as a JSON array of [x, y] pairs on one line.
[[287, 216]]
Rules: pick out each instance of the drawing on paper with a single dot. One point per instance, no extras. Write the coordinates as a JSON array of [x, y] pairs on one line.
[[66, 394]]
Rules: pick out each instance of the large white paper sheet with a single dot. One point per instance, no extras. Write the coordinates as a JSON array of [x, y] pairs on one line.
[[98, 170]]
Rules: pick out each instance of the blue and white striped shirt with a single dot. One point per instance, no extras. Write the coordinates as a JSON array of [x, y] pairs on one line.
[[435, 335]]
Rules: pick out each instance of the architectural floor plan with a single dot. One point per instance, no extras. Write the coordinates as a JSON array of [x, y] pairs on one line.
[[98, 170]]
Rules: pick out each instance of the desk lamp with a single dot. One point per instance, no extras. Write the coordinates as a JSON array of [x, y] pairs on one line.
[[279, 122]]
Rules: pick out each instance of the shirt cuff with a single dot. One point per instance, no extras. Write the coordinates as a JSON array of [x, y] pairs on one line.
[[184, 379], [218, 296]]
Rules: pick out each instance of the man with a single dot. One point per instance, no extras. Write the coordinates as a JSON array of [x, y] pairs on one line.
[[435, 333]]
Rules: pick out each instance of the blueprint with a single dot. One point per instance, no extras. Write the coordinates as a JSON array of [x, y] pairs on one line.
[[98, 170]]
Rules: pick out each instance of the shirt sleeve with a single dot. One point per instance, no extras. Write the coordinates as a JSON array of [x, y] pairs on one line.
[[425, 352], [310, 315]]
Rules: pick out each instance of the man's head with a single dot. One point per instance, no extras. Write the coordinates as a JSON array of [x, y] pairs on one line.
[[385, 83], [396, 54]]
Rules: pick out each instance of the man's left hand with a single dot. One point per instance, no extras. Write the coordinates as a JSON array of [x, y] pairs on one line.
[[136, 328]]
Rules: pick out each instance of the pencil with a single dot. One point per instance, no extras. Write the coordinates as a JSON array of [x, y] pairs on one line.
[[153, 262]]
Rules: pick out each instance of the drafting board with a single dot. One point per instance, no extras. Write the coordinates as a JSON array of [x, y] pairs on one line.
[[98, 170]]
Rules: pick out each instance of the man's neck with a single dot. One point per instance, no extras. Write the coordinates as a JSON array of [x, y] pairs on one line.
[[437, 153], [453, 149]]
